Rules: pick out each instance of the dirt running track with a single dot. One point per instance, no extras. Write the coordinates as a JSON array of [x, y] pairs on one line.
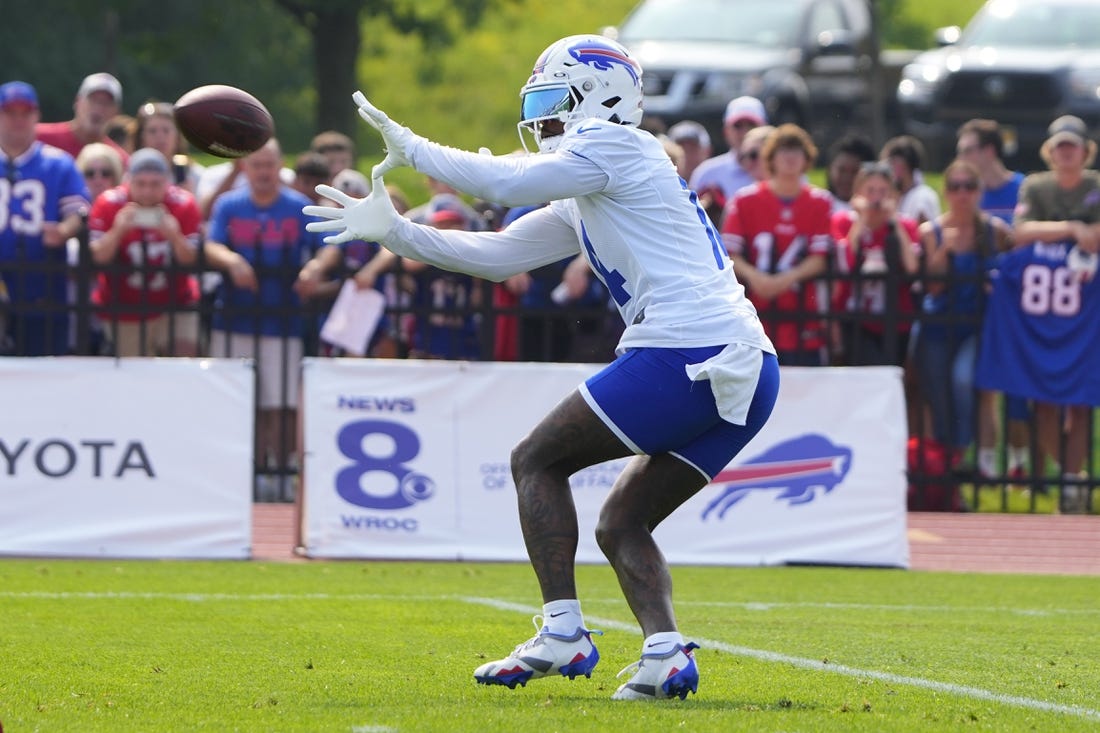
[[984, 543]]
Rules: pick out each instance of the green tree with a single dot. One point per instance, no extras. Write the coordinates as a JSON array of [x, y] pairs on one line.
[[159, 51], [335, 27]]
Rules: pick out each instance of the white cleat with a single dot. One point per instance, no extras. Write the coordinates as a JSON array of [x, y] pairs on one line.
[[543, 655], [661, 676]]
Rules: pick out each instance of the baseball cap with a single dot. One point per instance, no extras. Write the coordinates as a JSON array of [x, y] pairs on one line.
[[351, 182], [689, 130], [101, 82], [149, 160], [18, 92], [745, 108], [1067, 128], [448, 216]]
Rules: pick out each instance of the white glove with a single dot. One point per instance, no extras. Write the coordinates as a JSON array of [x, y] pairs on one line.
[[395, 137], [368, 219]]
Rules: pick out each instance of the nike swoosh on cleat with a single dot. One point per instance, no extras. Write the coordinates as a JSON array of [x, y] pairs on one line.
[[559, 613]]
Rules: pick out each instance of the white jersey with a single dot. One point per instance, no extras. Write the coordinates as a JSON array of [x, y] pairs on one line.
[[615, 197]]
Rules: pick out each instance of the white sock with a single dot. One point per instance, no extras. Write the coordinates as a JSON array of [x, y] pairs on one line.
[[1017, 457], [562, 616], [987, 461], [662, 642]]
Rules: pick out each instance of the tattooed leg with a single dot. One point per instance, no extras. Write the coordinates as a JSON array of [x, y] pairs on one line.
[[570, 438], [648, 490]]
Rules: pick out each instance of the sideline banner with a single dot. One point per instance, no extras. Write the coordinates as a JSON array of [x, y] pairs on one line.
[[128, 458], [410, 460]]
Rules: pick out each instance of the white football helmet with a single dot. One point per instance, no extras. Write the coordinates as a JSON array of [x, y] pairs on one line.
[[578, 78]]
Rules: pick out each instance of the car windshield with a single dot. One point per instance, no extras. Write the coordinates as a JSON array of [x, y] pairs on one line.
[[753, 22], [1037, 25]]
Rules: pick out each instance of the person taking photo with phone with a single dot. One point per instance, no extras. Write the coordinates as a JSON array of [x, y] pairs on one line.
[[145, 235]]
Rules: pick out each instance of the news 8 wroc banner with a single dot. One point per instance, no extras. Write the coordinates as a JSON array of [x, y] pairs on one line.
[[127, 458], [410, 459]]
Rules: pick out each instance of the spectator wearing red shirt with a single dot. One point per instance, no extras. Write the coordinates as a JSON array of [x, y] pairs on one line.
[[97, 100], [777, 234], [148, 230]]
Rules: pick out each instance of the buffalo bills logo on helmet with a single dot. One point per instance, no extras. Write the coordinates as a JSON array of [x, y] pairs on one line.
[[603, 57], [798, 469]]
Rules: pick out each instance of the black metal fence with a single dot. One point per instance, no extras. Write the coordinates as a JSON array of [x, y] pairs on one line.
[[488, 323]]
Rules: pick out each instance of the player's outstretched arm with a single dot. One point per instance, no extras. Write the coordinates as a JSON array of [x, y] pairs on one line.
[[368, 219], [534, 240], [395, 137]]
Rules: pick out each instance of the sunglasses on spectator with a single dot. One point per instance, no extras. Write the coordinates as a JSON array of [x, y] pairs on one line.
[[962, 186], [101, 172], [748, 156]]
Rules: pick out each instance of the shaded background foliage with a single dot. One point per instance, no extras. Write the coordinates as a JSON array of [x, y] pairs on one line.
[[159, 51], [451, 69]]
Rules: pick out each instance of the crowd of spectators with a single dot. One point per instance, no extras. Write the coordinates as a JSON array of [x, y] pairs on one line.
[[114, 241]]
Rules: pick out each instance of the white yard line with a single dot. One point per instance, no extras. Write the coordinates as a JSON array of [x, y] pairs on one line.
[[902, 608], [761, 606], [817, 665]]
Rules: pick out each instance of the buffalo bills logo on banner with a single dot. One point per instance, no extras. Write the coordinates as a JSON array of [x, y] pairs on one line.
[[603, 56], [797, 470]]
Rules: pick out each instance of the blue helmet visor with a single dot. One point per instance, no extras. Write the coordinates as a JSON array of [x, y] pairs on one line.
[[546, 102]]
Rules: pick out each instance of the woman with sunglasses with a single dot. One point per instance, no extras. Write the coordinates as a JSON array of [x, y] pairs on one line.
[[101, 166], [959, 246], [752, 147]]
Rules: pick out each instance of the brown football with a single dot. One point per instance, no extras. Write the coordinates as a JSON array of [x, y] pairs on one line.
[[224, 121]]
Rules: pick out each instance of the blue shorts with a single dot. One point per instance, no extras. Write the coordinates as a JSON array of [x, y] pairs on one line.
[[647, 399]]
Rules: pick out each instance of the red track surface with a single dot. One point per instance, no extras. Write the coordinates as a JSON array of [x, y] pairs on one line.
[[984, 543]]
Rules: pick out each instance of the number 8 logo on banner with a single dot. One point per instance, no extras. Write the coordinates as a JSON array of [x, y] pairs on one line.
[[358, 442]]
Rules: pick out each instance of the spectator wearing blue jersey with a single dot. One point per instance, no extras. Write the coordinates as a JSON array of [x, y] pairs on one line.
[[959, 246], [445, 301], [42, 197], [257, 236], [981, 143]]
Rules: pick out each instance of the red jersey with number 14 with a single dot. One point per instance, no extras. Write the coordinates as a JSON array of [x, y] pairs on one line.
[[776, 234], [145, 282]]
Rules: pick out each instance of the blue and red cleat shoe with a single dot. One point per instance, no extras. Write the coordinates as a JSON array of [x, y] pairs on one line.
[[662, 676], [543, 655]]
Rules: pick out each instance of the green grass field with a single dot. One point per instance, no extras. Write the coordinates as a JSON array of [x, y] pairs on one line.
[[381, 647]]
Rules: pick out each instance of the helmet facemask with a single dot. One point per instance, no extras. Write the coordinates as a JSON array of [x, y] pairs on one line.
[[579, 78], [544, 112]]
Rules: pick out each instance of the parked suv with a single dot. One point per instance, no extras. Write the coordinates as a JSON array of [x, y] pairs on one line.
[[1022, 63], [809, 61]]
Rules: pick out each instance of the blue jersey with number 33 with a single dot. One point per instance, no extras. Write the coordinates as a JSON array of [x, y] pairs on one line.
[[41, 185]]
